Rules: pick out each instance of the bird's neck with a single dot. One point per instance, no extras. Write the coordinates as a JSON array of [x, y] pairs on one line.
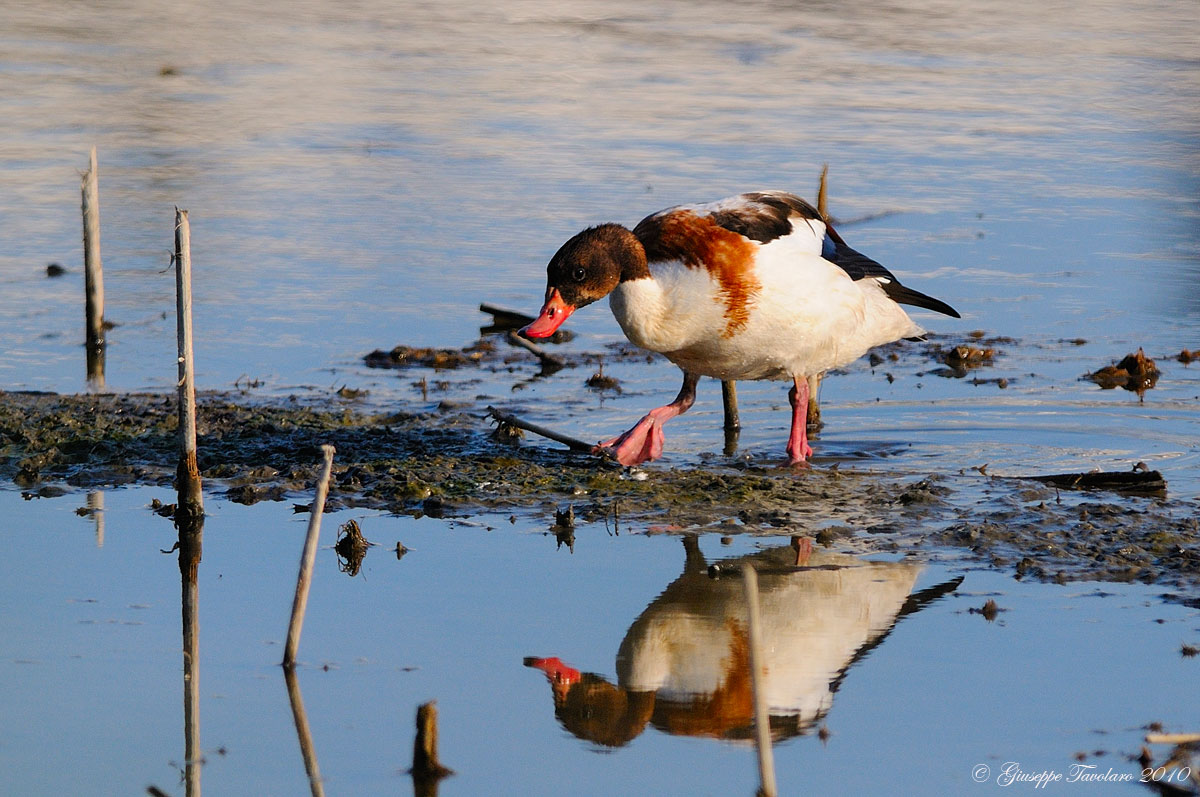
[[630, 254]]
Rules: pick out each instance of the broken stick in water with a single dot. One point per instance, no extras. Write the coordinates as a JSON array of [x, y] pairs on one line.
[[550, 362], [304, 580], [570, 442]]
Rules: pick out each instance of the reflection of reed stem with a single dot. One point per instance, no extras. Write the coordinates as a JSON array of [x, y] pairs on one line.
[[304, 580], [95, 504], [762, 728], [306, 743], [427, 770], [190, 542]]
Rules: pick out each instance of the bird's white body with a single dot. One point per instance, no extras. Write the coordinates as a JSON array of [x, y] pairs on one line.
[[807, 316]]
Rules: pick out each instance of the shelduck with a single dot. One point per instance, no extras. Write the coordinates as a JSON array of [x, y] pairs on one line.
[[756, 286]]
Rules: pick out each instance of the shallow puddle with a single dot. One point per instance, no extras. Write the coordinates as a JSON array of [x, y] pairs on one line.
[[883, 677]]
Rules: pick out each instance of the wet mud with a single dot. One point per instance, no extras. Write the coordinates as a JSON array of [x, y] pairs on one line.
[[450, 463]]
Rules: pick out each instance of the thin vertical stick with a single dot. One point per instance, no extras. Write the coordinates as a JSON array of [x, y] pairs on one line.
[[729, 398], [191, 500], [762, 728], [813, 417], [822, 196], [304, 580], [93, 272]]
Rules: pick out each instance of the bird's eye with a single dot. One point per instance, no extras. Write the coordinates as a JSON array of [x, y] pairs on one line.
[[579, 274]]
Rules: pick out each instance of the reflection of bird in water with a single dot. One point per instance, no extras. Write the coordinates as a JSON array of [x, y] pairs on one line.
[[756, 286], [683, 666]]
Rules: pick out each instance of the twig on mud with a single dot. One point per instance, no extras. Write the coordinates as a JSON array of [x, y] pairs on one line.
[[1138, 482], [304, 580], [550, 362], [570, 442]]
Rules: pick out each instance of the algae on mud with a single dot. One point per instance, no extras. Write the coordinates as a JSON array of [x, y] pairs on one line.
[[448, 463]]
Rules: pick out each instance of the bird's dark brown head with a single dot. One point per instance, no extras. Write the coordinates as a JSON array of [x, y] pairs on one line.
[[586, 268]]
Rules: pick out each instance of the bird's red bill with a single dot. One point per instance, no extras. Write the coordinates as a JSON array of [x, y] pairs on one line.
[[555, 669], [554, 312]]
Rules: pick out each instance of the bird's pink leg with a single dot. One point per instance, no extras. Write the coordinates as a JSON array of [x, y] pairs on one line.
[[798, 448], [645, 440]]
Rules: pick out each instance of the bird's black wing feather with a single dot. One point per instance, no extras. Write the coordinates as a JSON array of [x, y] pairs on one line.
[[859, 266]]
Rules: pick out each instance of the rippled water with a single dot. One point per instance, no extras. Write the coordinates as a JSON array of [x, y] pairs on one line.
[[362, 177], [366, 174]]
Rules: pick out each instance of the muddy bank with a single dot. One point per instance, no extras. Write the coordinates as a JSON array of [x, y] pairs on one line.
[[450, 463]]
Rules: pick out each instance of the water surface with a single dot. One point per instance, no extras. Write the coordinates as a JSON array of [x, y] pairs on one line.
[[366, 175], [911, 695]]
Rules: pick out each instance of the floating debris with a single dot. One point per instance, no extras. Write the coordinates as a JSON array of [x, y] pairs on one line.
[[961, 358], [161, 509], [351, 547], [1135, 372], [440, 359], [969, 357], [598, 381], [564, 527], [989, 610]]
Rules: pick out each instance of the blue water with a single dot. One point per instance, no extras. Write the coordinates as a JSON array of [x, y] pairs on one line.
[[93, 667], [358, 177]]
